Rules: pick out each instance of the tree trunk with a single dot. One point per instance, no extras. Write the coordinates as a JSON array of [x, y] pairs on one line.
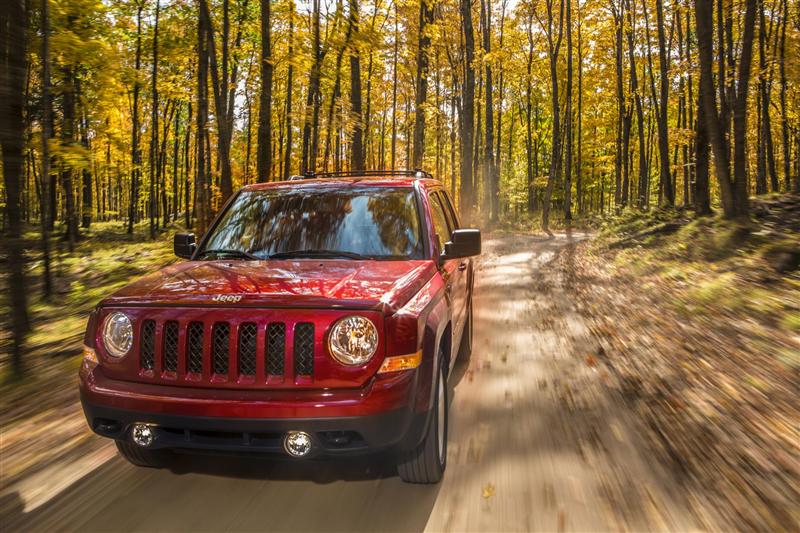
[[264, 155], [394, 86], [202, 193], [86, 174], [488, 161], [766, 152], [555, 160], [423, 61], [154, 127], [357, 147], [67, 139], [187, 195], [702, 195], [663, 129], [468, 114], [529, 174], [568, 122], [579, 155], [643, 170], [13, 71], [136, 156], [220, 90], [740, 112], [620, 154], [47, 132], [733, 193], [175, 155], [287, 162], [311, 120], [784, 118]]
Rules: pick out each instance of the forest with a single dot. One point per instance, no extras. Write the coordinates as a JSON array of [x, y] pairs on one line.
[[634, 166], [153, 112]]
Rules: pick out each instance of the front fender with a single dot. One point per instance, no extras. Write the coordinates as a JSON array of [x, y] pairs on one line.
[[421, 324]]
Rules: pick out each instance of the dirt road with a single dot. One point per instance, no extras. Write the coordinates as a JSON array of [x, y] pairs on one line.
[[536, 443]]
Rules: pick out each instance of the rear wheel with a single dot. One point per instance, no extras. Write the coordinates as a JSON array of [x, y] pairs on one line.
[[426, 464], [138, 456]]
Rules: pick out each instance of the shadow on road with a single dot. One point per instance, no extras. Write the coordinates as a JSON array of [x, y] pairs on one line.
[[214, 493]]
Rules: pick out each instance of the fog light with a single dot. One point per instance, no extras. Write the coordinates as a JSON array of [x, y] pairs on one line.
[[297, 443], [143, 435]]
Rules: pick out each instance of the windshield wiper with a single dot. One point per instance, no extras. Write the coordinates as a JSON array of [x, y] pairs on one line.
[[236, 253], [316, 253]]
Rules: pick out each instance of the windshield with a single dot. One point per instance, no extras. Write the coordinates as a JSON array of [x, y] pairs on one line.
[[356, 223]]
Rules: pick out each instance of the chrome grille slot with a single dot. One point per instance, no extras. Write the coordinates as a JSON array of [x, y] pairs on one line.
[[276, 348], [247, 349], [169, 351], [194, 347], [148, 345], [220, 347], [304, 349]]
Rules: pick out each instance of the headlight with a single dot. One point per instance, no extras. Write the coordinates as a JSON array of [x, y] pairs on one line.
[[353, 340], [117, 334]]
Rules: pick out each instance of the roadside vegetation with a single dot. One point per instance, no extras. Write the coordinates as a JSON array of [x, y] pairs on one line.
[[698, 323], [104, 260], [40, 412]]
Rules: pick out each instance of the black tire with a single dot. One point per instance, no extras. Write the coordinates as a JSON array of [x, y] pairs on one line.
[[465, 346], [138, 456], [426, 464]]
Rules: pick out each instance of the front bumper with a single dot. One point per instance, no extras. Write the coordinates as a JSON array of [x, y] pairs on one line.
[[379, 416]]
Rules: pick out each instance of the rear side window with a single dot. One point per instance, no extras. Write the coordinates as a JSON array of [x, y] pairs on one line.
[[440, 225], [449, 211]]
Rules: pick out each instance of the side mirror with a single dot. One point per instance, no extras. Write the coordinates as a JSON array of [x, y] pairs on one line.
[[184, 245], [463, 243]]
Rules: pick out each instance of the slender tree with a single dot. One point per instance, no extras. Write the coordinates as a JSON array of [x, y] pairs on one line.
[[13, 71], [287, 162], [423, 64], [136, 156], [357, 147], [47, 132], [662, 109], [490, 185], [264, 156], [311, 119], [568, 121], [154, 126], [555, 34], [468, 113]]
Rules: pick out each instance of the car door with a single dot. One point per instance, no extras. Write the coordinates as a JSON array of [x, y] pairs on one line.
[[462, 278], [452, 270]]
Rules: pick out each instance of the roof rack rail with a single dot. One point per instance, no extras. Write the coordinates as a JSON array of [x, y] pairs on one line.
[[417, 173], [310, 174]]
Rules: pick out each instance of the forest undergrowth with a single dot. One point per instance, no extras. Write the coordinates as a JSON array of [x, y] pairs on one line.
[[698, 324]]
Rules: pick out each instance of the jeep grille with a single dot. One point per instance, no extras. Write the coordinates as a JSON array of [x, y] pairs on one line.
[[259, 349]]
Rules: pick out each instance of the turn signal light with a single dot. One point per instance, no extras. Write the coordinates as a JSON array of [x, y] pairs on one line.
[[401, 362], [89, 361]]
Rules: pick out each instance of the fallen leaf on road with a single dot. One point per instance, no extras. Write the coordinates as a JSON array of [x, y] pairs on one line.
[[488, 490]]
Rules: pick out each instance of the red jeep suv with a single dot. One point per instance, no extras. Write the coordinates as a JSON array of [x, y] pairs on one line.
[[317, 316]]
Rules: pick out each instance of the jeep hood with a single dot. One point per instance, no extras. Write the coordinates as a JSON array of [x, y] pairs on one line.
[[385, 285]]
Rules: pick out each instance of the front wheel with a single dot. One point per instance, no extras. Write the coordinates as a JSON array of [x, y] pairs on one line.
[[426, 464], [139, 456]]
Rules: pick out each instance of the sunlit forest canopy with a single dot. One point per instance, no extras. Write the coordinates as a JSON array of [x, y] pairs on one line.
[[160, 109]]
